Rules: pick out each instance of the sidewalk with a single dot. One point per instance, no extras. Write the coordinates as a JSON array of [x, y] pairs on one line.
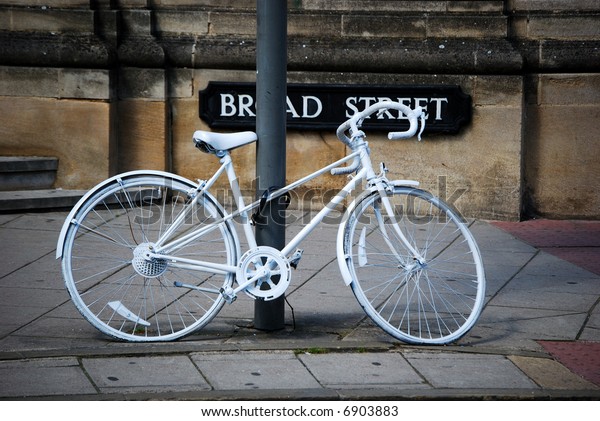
[[538, 336]]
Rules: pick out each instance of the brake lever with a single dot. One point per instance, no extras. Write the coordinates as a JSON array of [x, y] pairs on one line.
[[422, 118]]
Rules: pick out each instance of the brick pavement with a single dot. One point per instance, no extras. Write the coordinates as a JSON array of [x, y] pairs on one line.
[[577, 242]]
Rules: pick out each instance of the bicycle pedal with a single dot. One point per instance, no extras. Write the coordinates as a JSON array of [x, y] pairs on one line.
[[295, 259], [228, 295]]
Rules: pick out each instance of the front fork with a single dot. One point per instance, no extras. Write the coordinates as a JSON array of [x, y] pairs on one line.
[[386, 189], [390, 230], [388, 208]]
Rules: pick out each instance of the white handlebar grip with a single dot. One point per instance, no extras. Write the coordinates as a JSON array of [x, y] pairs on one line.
[[413, 118]]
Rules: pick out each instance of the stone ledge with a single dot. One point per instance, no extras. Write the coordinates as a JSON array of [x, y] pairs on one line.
[[15, 201], [560, 56], [493, 56], [27, 163], [44, 49], [436, 55], [405, 6], [27, 173]]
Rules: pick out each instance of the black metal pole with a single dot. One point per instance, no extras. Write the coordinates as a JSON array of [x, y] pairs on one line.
[[271, 90]]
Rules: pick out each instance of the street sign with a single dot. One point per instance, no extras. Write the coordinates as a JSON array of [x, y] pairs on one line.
[[232, 105]]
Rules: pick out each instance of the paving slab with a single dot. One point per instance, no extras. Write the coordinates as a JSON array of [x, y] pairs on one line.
[[254, 370], [154, 374], [535, 323], [43, 377], [591, 331], [460, 371], [363, 371], [550, 374], [21, 247]]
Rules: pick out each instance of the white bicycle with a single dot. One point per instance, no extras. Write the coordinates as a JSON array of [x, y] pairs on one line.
[[152, 256]]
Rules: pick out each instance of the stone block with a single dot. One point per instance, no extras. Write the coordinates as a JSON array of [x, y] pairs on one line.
[[384, 26], [232, 23], [228, 4], [142, 83], [563, 175], [466, 26], [499, 91], [29, 81], [563, 27], [60, 377], [181, 22], [181, 83], [314, 25], [476, 6], [569, 89], [84, 84], [76, 132], [142, 134], [51, 20], [308, 152]]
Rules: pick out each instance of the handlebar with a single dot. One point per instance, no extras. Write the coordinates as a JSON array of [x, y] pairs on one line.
[[353, 124]]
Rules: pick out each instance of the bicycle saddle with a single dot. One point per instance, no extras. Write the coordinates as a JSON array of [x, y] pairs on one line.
[[211, 142]]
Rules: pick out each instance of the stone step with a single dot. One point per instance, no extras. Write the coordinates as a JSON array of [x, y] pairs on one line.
[[44, 199], [27, 172]]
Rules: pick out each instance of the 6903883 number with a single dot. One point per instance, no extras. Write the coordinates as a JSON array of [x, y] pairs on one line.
[[371, 410]]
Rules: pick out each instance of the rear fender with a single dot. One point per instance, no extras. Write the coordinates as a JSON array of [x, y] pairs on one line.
[[70, 218]]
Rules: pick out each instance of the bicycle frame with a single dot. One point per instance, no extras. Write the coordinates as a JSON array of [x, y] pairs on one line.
[[162, 247]]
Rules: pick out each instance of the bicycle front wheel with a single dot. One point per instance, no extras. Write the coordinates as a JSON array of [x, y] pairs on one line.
[[433, 297], [113, 283]]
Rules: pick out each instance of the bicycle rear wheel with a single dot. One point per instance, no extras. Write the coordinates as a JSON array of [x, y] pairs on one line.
[[126, 295], [432, 302]]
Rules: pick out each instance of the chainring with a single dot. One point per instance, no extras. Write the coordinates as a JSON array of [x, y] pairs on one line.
[[272, 269]]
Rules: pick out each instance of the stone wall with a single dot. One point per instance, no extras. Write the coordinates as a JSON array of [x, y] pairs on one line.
[[110, 86]]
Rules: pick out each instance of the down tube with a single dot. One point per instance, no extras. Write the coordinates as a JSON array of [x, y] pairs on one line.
[[342, 194]]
